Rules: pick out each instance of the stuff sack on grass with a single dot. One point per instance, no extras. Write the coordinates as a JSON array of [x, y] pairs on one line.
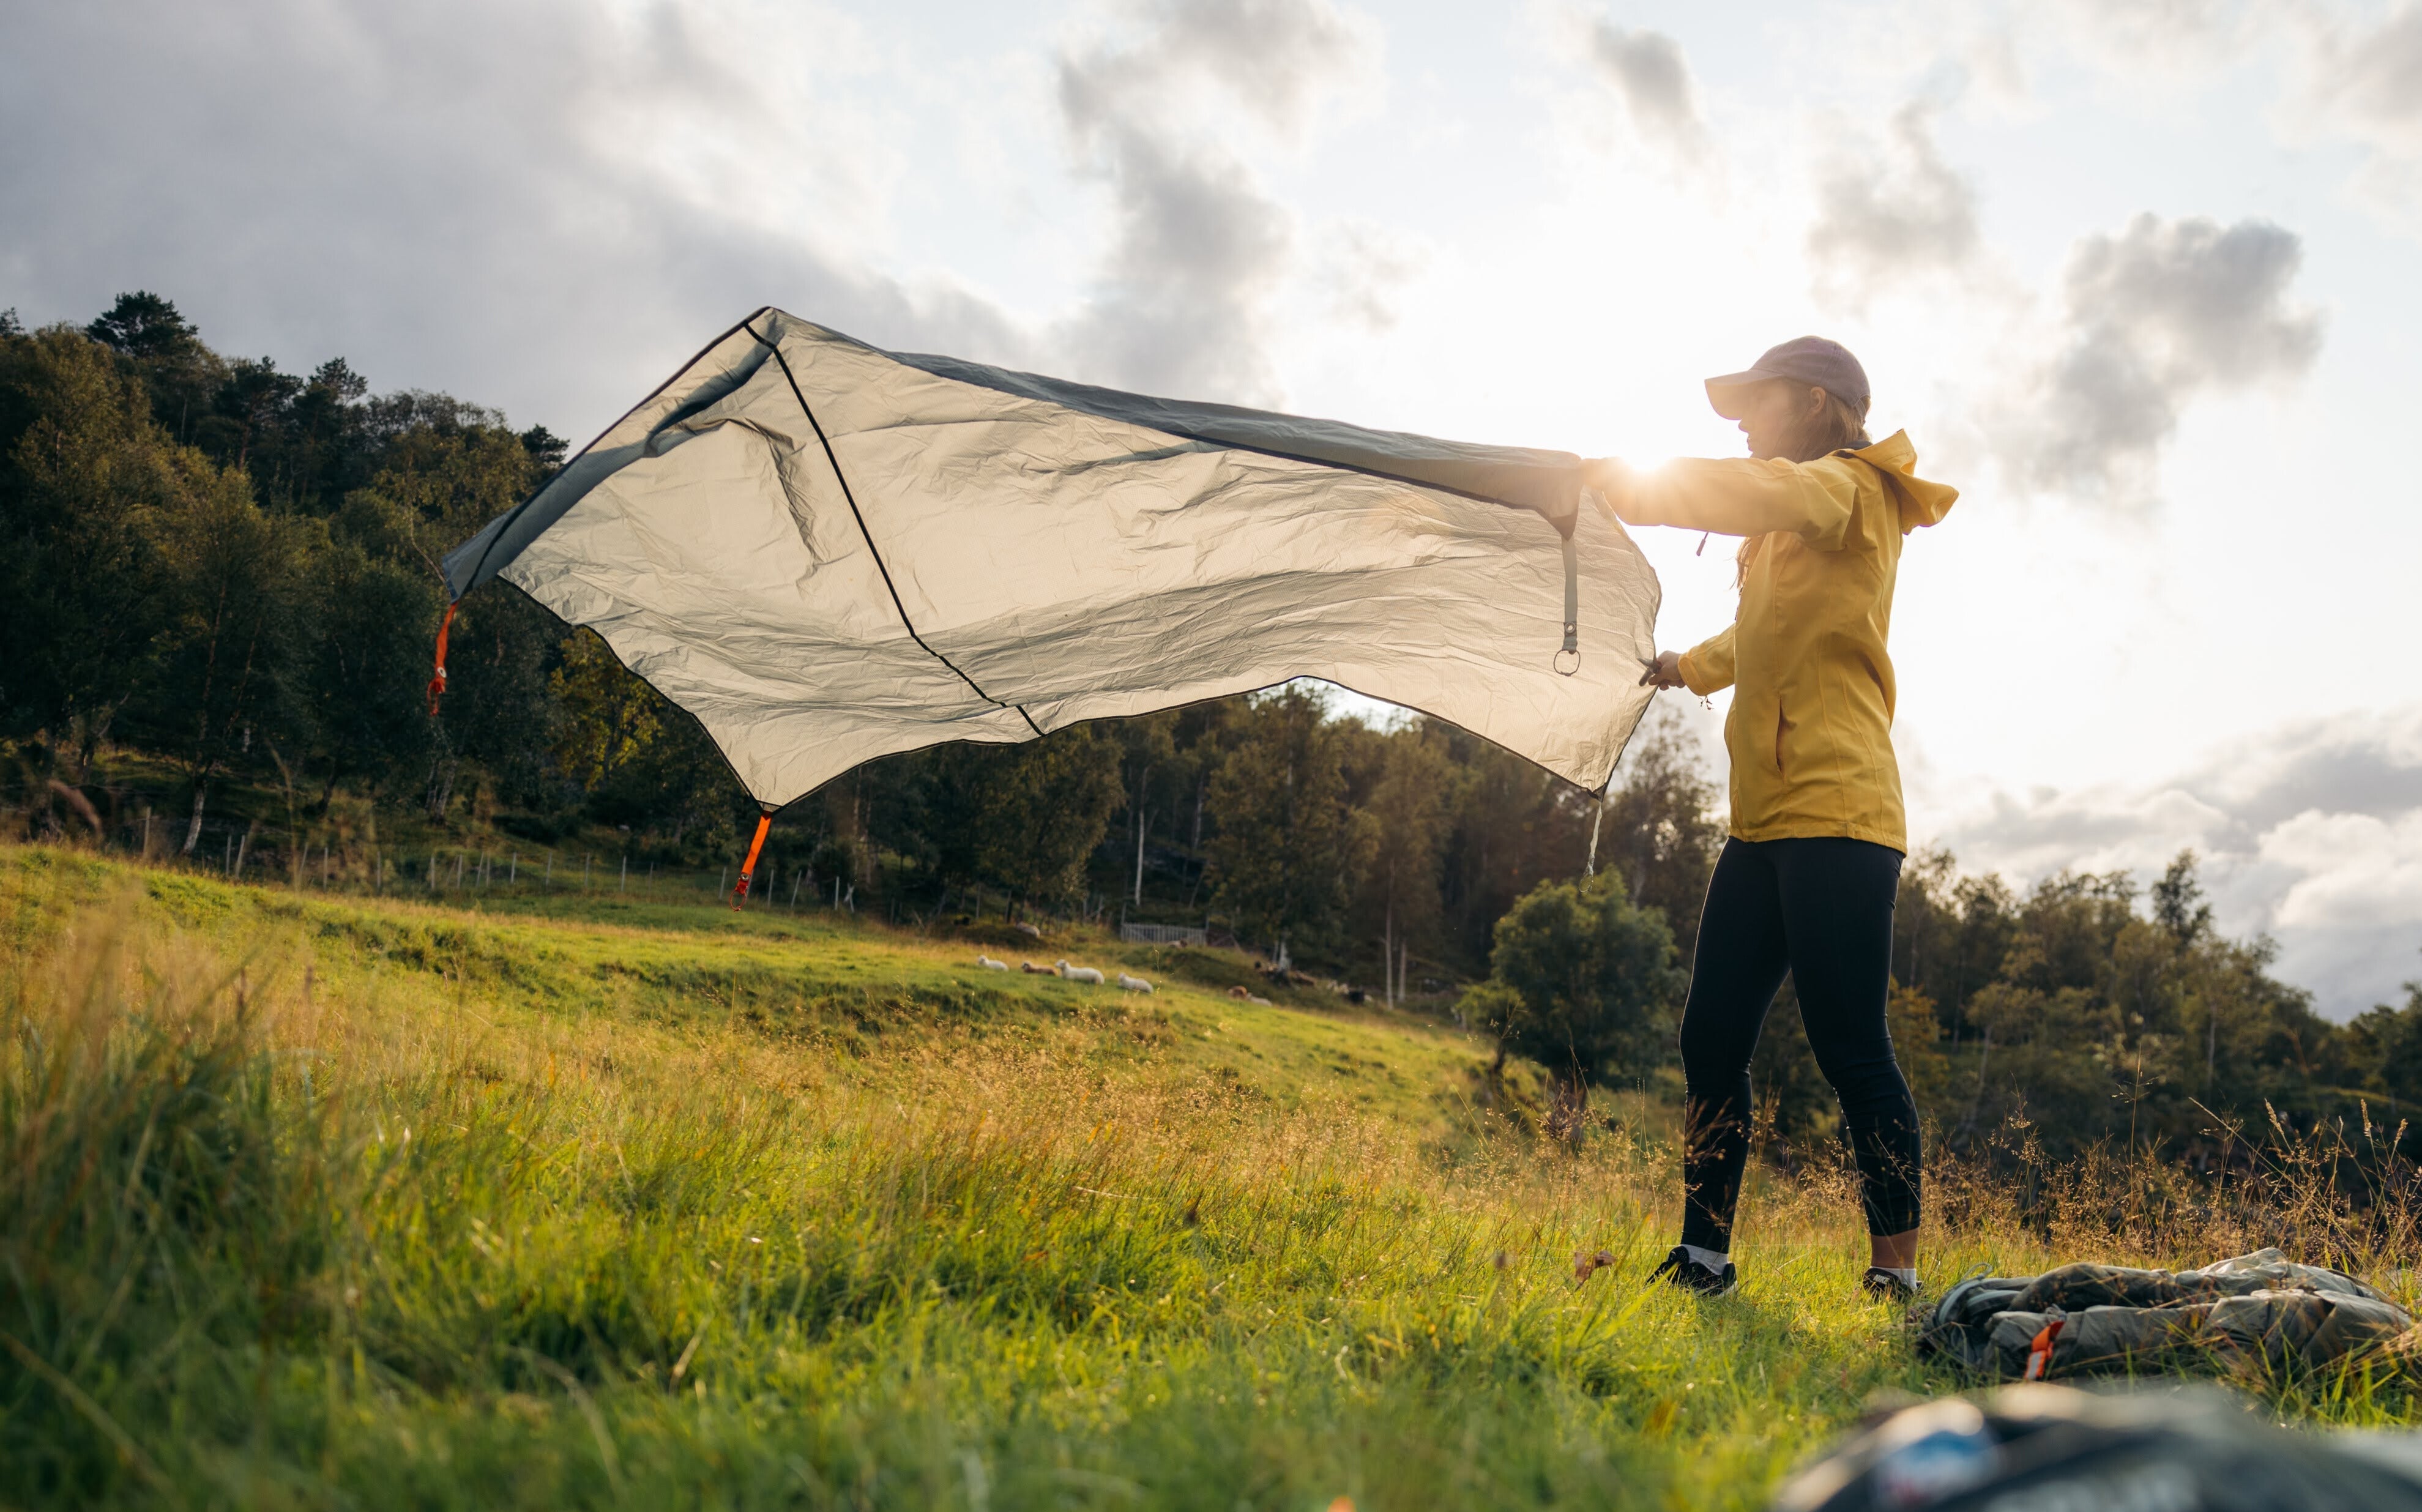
[[2057, 1449], [830, 553], [2258, 1312]]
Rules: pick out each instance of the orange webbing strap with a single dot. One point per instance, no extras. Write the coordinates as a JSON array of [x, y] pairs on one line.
[[437, 684], [2040, 1352], [748, 867]]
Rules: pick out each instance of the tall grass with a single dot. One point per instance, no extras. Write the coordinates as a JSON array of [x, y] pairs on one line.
[[295, 1216]]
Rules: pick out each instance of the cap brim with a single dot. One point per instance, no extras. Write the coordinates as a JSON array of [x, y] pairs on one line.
[[1725, 393]]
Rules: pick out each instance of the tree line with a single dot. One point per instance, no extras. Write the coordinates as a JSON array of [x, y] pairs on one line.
[[220, 590], [2085, 1011], [221, 583]]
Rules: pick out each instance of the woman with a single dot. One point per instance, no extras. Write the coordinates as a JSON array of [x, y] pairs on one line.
[[1807, 878]]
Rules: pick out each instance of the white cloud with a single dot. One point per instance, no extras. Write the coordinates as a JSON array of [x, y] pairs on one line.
[[2362, 79], [2171, 41], [2312, 834], [1362, 266], [2154, 316], [1888, 214], [545, 205], [1200, 249], [1653, 79], [2356, 869]]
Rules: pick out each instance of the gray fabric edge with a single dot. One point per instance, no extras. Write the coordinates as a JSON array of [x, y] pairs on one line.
[[1546, 483], [493, 549]]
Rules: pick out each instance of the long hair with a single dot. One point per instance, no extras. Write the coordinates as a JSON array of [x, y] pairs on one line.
[[1833, 427]]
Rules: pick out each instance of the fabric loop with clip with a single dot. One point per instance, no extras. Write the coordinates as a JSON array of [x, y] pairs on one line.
[[1572, 612]]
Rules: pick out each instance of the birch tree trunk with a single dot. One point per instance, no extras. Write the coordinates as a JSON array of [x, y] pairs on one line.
[[194, 825]]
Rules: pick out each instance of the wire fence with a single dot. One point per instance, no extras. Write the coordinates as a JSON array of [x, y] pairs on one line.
[[300, 857], [330, 857], [1164, 935]]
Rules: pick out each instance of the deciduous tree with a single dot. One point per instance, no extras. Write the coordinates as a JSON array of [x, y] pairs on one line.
[[1584, 983], [1284, 853]]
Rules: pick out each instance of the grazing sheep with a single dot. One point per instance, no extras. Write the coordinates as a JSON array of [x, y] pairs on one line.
[[989, 964], [1033, 969], [1133, 984], [1081, 973]]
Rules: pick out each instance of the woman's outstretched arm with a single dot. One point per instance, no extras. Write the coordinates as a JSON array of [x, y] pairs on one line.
[[1733, 495]]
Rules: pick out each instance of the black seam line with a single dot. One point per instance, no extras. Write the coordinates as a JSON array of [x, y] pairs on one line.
[[516, 512], [868, 536]]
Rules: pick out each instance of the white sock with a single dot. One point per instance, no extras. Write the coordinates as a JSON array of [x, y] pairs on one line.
[[1906, 1277], [1714, 1260]]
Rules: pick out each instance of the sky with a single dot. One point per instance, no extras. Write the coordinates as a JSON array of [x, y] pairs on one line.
[[2135, 274]]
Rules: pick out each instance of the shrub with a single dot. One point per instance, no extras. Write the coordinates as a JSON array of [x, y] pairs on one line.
[[1584, 983]]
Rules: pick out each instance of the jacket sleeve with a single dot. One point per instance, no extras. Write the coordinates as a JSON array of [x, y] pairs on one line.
[[1745, 496], [1709, 666]]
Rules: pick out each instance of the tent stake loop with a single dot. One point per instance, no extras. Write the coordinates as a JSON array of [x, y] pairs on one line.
[[437, 682], [748, 867]]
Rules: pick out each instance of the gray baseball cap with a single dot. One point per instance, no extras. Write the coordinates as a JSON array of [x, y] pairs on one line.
[[1809, 359]]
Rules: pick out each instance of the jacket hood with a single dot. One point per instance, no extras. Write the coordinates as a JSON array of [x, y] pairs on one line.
[[1921, 502]]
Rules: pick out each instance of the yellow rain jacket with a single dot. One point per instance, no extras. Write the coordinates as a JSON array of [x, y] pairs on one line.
[[1810, 731]]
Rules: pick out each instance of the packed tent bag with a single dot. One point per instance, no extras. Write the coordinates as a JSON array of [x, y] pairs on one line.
[[2037, 1448], [2260, 1311]]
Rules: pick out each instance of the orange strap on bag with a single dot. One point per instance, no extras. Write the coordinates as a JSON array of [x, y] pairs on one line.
[[2040, 1352], [748, 867], [437, 684]]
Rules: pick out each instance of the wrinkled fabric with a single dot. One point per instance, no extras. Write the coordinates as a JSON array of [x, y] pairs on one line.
[[1810, 729], [830, 553], [2256, 1312]]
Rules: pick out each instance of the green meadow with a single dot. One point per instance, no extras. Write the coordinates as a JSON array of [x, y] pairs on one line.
[[319, 1200]]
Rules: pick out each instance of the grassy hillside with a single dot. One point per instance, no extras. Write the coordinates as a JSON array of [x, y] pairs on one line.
[[321, 1201]]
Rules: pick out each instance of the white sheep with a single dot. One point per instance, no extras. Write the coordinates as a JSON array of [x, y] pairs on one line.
[[1133, 984], [1081, 973], [989, 964]]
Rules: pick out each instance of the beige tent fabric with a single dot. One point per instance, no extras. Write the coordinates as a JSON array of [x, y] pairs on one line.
[[829, 553]]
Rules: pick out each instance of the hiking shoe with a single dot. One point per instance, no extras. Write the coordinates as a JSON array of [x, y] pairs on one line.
[[1881, 1286], [1679, 1270]]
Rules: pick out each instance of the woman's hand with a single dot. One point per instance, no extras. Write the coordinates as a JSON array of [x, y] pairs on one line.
[[1616, 480], [1665, 672]]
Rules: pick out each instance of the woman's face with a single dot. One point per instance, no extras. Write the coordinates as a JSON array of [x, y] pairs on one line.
[[1772, 413]]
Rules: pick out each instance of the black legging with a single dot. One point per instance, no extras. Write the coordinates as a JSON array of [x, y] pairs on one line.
[[1821, 909]]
